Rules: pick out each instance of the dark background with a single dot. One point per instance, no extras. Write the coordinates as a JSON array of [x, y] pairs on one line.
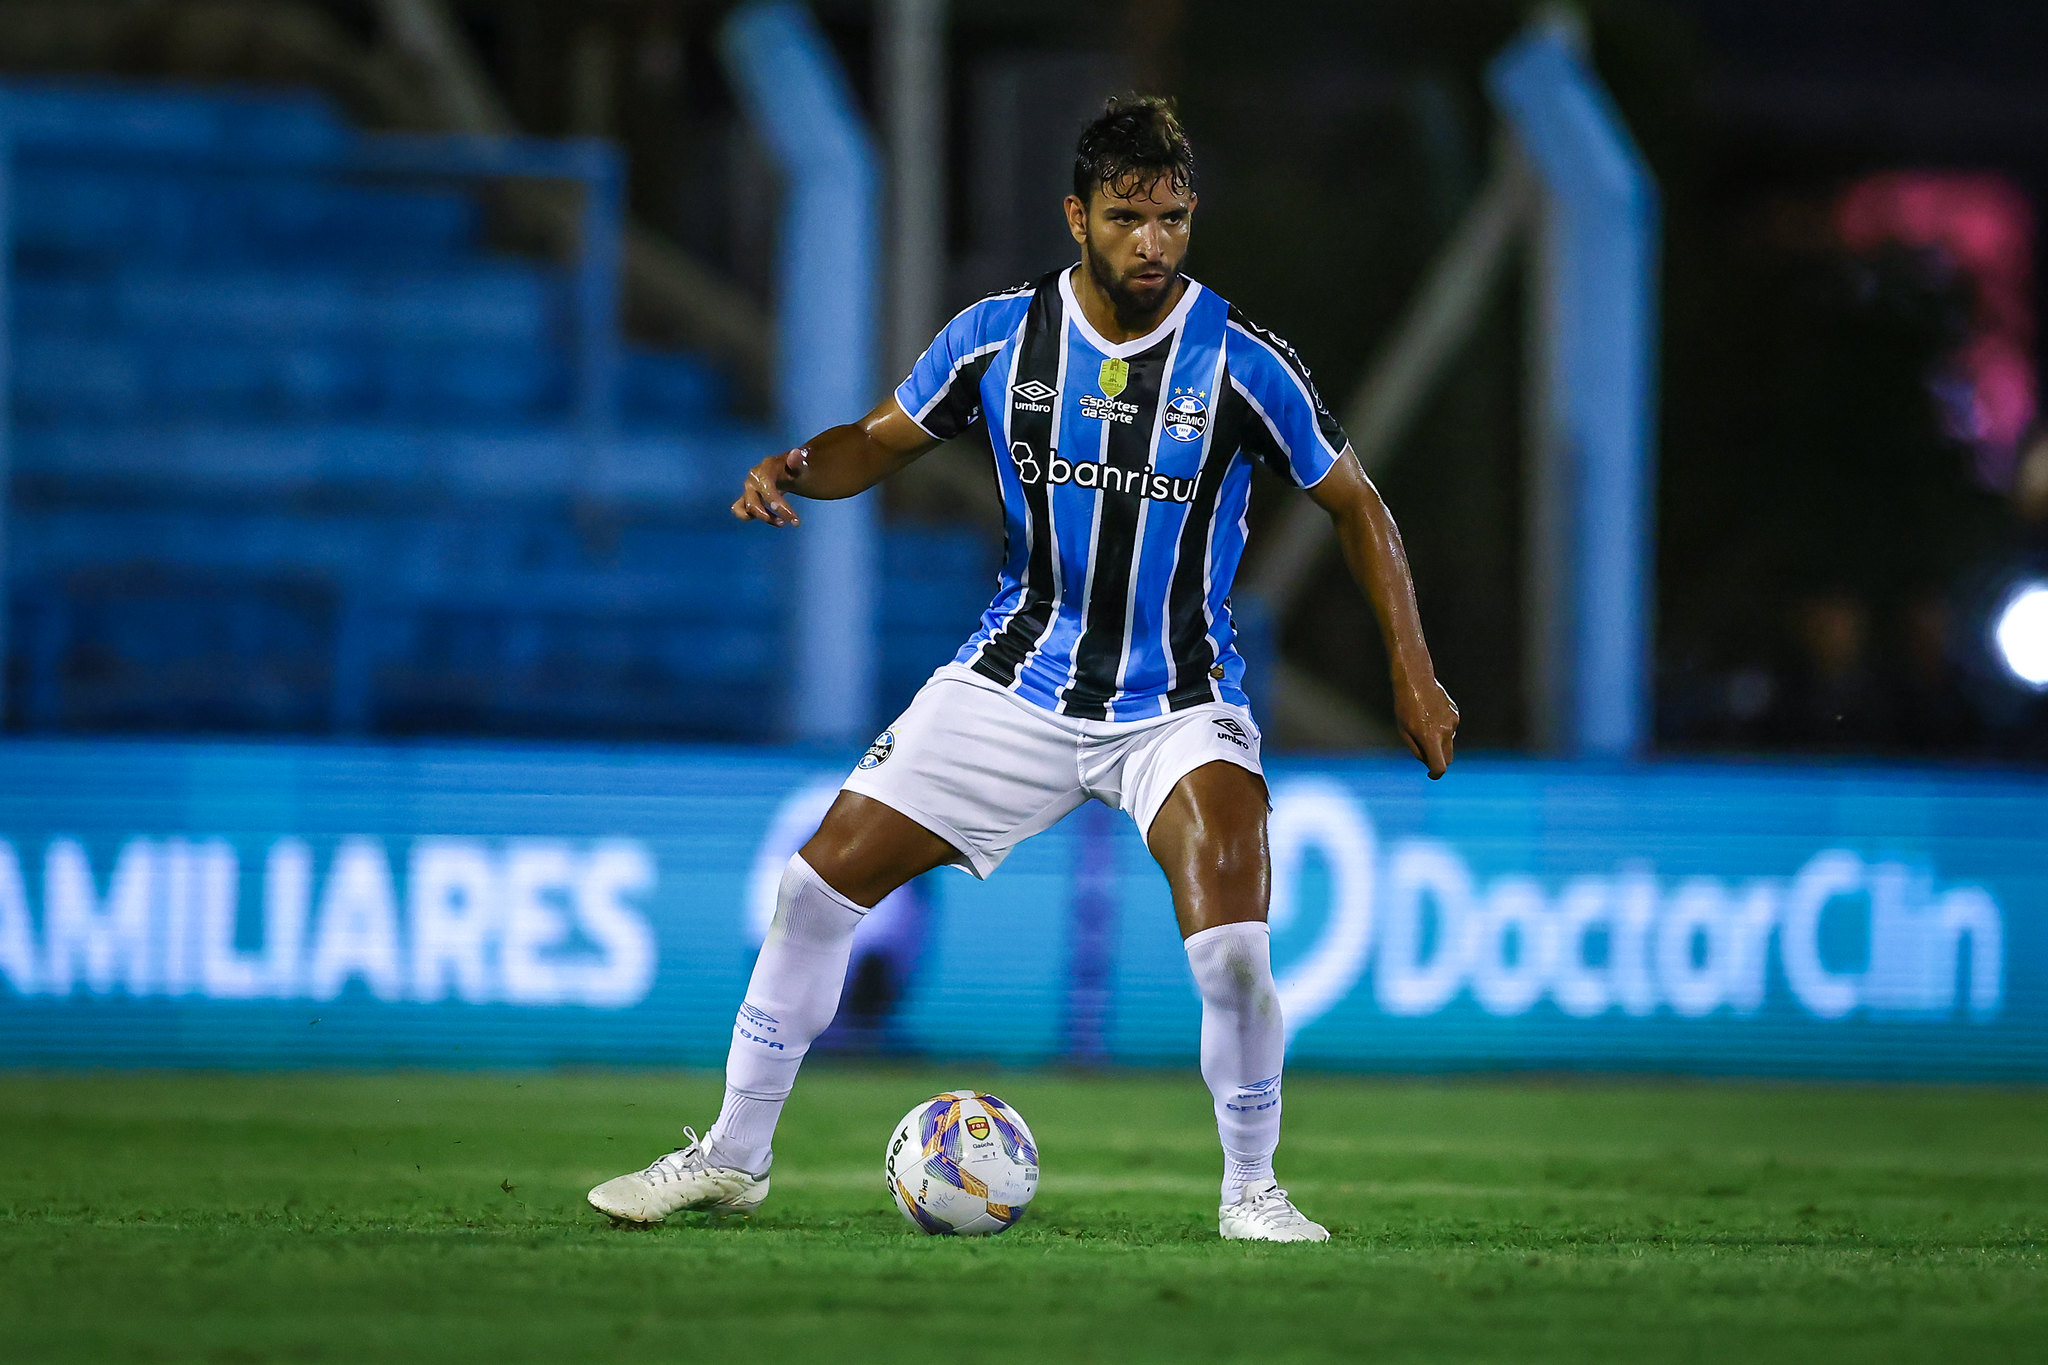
[[1829, 553]]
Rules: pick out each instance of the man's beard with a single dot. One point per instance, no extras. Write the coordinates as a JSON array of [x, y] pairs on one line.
[[1130, 306]]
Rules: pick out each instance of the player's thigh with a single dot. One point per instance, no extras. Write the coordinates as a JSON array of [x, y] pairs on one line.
[[978, 769], [864, 850], [1209, 837]]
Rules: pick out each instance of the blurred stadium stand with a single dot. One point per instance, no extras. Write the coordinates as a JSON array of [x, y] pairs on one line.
[[297, 448]]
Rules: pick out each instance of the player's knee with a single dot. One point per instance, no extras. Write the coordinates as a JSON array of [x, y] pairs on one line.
[[833, 852], [809, 909], [826, 860], [1233, 966], [1247, 977], [864, 850]]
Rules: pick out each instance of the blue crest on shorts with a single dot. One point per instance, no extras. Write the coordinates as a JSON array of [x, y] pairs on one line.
[[878, 752]]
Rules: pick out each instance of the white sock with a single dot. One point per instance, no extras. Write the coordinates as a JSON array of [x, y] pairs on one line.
[[1243, 1043], [792, 997]]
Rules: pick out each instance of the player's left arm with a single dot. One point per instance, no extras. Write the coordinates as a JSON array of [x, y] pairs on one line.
[[836, 463], [1427, 716]]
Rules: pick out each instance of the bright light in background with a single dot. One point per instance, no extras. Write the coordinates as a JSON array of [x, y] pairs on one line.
[[2021, 634]]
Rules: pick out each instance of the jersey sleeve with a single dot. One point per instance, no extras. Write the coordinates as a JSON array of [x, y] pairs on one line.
[[943, 392], [1290, 429]]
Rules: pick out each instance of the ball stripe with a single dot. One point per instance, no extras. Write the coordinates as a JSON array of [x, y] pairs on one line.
[[1014, 1141], [916, 1211], [939, 1166]]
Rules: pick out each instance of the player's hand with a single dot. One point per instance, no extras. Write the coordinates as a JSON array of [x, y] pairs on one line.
[[761, 497], [1429, 721]]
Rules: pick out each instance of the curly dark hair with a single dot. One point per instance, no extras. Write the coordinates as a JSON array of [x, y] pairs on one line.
[[1132, 143]]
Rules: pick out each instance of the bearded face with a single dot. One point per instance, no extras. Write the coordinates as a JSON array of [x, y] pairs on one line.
[[1133, 244]]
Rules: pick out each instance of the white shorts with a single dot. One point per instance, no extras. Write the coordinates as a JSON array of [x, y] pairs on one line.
[[985, 770]]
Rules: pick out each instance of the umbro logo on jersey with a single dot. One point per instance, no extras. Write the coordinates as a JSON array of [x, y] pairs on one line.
[[1226, 728], [1034, 395]]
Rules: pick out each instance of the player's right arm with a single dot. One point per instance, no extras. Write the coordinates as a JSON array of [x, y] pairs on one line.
[[940, 399], [836, 463]]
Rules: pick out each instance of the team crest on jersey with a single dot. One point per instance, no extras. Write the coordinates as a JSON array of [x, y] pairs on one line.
[[878, 752], [1112, 377], [1187, 415]]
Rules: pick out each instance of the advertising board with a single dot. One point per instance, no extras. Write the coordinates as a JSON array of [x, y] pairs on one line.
[[240, 905]]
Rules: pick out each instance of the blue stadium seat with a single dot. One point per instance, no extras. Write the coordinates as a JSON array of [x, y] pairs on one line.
[[936, 584], [295, 451], [69, 214], [670, 387], [485, 619], [248, 126], [477, 301]]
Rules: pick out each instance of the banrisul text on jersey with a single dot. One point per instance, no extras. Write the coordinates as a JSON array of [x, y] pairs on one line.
[[1125, 471]]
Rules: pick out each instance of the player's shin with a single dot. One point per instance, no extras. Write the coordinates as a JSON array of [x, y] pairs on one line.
[[792, 996], [1243, 1042]]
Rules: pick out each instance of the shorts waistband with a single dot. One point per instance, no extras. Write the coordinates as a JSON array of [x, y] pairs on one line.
[[962, 673]]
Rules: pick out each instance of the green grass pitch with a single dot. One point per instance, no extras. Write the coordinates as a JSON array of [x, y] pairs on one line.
[[317, 1217]]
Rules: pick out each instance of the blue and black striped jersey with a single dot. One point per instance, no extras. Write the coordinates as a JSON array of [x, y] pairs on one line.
[[1126, 477]]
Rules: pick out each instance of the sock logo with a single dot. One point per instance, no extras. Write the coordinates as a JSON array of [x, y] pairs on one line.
[[751, 1019], [1256, 1097]]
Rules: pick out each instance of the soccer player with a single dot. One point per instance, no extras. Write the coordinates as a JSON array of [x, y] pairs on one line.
[[1124, 404]]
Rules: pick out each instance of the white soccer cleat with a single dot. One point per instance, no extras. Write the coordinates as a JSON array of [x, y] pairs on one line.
[[684, 1179], [1264, 1213]]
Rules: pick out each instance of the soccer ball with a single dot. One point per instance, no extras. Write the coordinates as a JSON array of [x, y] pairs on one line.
[[962, 1163]]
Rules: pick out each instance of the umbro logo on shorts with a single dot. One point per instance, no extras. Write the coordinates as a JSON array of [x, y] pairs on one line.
[[878, 752], [1229, 729]]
